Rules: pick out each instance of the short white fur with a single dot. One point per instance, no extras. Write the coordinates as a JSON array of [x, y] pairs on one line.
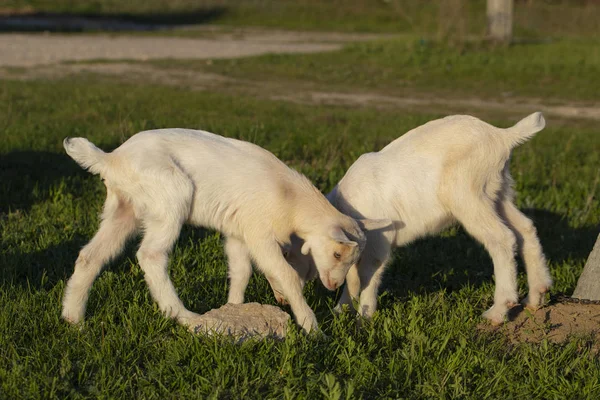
[[159, 180], [454, 169]]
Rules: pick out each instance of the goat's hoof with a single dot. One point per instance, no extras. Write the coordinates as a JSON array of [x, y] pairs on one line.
[[494, 317], [496, 322], [280, 299], [531, 306], [535, 303], [343, 308], [72, 320]]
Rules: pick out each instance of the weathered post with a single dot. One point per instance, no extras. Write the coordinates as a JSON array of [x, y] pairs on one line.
[[588, 285], [499, 14]]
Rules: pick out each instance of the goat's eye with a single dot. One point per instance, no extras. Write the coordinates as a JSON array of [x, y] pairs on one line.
[[337, 255], [286, 254]]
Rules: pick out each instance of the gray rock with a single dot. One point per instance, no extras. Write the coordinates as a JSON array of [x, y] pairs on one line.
[[243, 321], [588, 285]]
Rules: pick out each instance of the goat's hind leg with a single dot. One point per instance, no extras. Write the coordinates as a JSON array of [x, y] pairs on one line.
[[538, 275], [163, 217], [118, 224], [153, 256], [479, 217], [240, 269]]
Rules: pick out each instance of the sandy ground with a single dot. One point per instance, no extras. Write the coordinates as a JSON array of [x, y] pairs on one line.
[[556, 323]]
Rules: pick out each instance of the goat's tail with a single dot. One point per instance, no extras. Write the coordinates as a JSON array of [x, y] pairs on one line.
[[86, 154], [524, 129]]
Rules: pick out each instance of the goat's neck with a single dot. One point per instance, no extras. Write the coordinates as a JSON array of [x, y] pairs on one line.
[[313, 213]]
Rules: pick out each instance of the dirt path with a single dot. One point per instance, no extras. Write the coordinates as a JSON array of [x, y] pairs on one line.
[[516, 106], [33, 50], [44, 55], [285, 91], [27, 50]]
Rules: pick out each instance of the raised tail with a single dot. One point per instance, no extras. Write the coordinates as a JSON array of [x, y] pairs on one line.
[[524, 129], [86, 154]]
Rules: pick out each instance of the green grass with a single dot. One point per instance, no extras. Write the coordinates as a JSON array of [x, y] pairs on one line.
[[440, 17], [422, 343], [565, 69]]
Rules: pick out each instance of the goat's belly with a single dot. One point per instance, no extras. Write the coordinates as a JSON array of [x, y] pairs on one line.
[[214, 217], [418, 225]]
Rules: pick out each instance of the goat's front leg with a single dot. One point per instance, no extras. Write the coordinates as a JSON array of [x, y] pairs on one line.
[[277, 292], [351, 290], [370, 271], [303, 267], [271, 262]]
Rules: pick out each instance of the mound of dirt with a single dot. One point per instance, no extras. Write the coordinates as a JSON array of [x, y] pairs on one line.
[[556, 323]]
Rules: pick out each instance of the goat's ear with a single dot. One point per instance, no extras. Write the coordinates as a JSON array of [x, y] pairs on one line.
[[305, 248], [349, 243], [339, 236], [374, 224]]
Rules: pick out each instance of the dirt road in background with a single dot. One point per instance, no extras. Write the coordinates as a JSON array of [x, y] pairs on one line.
[[28, 50], [51, 56]]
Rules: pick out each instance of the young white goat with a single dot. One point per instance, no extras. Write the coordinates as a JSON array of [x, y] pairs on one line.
[[453, 169], [158, 180]]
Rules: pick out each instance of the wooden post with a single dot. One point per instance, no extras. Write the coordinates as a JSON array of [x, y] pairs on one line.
[[588, 285], [499, 14]]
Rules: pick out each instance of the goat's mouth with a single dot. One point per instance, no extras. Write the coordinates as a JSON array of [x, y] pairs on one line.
[[330, 284]]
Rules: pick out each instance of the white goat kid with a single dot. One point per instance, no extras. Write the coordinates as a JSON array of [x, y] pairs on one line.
[[158, 180], [449, 170]]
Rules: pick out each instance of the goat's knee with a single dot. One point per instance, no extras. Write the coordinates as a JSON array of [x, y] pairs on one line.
[[501, 240], [147, 257]]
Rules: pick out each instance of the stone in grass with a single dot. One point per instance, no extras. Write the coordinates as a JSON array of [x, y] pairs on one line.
[[588, 285], [243, 321]]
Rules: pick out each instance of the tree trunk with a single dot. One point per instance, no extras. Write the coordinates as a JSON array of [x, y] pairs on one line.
[[499, 14], [588, 285]]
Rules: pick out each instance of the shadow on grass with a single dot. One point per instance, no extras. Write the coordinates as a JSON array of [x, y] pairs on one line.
[[43, 269], [32, 177], [27, 177], [449, 263], [82, 22], [428, 265]]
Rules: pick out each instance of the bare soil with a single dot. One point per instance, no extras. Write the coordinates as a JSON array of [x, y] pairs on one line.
[[556, 323], [28, 50]]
